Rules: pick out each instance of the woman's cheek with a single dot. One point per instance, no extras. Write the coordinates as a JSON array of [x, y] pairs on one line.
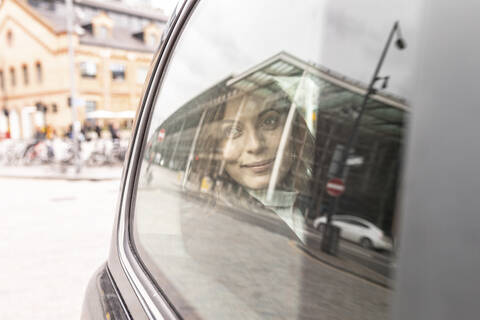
[[231, 150], [272, 138]]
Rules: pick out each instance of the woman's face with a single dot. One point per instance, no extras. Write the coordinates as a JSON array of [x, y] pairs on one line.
[[251, 134]]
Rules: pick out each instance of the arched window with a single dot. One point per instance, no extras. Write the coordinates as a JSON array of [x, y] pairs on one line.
[[25, 74], [152, 40], [102, 32], [38, 67], [13, 81], [2, 84], [9, 38]]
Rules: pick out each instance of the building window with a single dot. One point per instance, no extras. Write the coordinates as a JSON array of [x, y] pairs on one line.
[[102, 32], [88, 69], [152, 40], [38, 67], [13, 81], [54, 108], [2, 84], [118, 71], [25, 74], [9, 38], [124, 20], [90, 106], [141, 74]]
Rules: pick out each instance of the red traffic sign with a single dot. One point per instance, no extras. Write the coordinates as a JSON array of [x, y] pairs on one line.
[[335, 187], [161, 135]]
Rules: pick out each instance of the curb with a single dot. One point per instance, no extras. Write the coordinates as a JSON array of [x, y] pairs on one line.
[[66, 178], [49, 173]]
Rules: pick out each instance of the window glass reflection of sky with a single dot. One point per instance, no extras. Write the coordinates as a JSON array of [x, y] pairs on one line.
[[227, 37]]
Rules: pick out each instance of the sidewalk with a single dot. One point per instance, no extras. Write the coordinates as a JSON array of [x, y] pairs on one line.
[[349, 260], [55, 172], [344, 263]]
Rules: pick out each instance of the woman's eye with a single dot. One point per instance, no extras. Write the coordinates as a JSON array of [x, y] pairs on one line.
[[270, 122], [232, 132]]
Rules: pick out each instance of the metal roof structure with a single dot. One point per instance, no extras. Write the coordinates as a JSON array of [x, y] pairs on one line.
[[313, 89], [319, 89]]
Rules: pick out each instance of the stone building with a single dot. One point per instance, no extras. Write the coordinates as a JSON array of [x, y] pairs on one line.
[[113, 45]]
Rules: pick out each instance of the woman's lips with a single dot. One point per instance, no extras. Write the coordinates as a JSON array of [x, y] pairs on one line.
[[259, 166]]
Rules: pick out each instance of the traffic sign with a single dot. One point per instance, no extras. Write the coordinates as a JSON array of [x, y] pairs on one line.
[[161, 135], [335, 187]]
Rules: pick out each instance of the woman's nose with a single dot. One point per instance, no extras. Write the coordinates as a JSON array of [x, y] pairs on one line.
[[255, 142]]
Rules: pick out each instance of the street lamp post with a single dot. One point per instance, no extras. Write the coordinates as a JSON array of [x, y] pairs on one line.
[[71, 58], [328, 236]]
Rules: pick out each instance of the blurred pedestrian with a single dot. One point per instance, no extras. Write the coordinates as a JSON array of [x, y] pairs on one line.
[[69, 133], [113, 132], [98, 130]]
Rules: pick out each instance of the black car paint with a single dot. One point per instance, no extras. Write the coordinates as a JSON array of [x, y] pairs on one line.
[[115, 268], [102, 300]]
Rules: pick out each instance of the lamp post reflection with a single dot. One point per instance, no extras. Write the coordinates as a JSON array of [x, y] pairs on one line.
[[330, 238]]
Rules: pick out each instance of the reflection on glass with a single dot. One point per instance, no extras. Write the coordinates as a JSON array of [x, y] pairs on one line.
[[211, 163], [231, 204]]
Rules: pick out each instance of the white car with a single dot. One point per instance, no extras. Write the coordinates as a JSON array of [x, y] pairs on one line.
[[357, 230]]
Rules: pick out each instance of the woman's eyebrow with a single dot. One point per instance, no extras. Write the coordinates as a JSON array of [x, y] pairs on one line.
[[276, 109], [228, 120]]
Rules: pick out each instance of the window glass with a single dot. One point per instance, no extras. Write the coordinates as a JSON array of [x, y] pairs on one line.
[[88, 69], [255, 123], [25, 74], [9, 38], [354, 222], [13, 80], [152, 40], [90, 106], [102, 32], [118, 71], [2, 84], [38, 66]]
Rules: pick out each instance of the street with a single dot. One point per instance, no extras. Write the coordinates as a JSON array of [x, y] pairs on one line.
[[250, 257], [53, 236], [377, 262]]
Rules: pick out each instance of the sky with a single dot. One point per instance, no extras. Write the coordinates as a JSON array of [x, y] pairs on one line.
[[228, 37]]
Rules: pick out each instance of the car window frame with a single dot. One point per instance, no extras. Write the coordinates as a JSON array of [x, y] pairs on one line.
[[123, 259], [153, 300], [412, 254]]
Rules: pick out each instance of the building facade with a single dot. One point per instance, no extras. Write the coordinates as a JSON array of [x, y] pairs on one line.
[[113, 47]]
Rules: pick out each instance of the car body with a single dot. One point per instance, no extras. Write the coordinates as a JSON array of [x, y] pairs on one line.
[[179, 252], [357, 230]]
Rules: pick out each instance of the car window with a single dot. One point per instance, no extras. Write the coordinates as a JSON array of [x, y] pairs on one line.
[[355, 223], [363, 225], [251, 126]]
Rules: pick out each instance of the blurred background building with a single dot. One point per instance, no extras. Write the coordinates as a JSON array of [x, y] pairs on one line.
[[114, 43], [145, 3]]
